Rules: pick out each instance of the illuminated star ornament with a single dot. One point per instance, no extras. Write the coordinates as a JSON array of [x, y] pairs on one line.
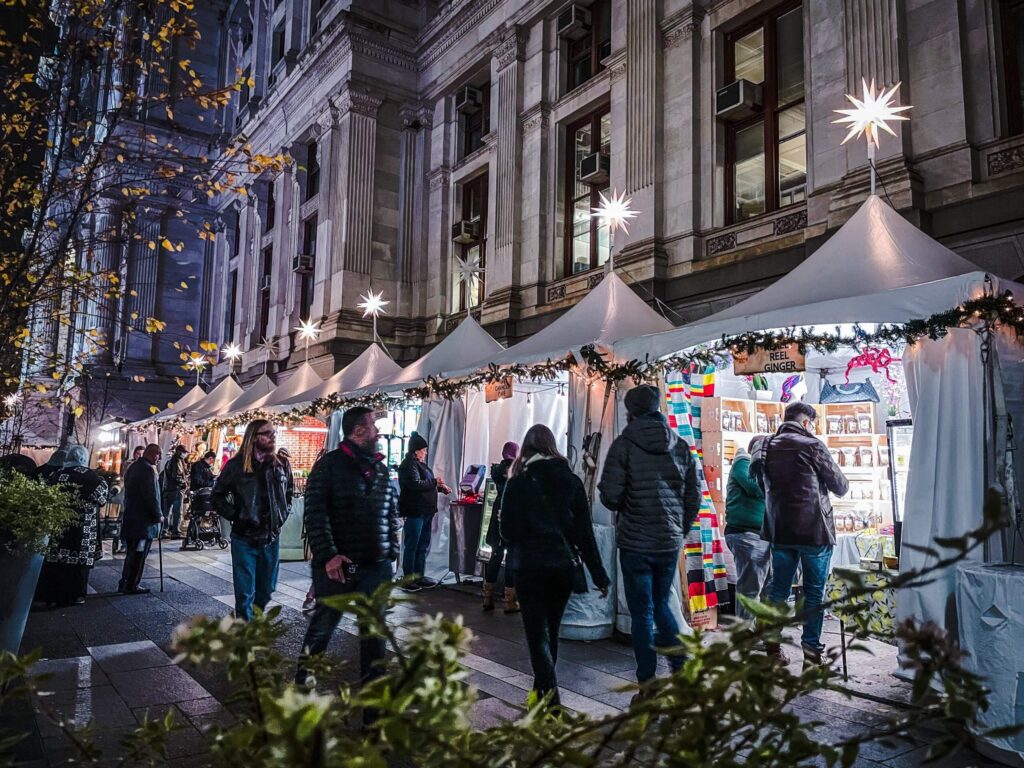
[[615, 212], [469, 271], [373, 306], [12, 400], [269, 347], [308, 331], [871, 112], [232, 352], [197, 363]]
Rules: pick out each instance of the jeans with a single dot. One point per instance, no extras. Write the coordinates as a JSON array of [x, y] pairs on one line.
[[416, 544], [647, 579], [494, 566], [325, 620], [543, 595], [815, 562], [254, 573], [172, 511], [753, 556], [135, 553]]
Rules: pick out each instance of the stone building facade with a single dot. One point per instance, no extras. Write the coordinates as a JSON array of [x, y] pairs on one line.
[[484, 130]]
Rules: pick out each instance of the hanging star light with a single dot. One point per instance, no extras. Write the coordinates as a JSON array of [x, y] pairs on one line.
[[231, 353], [615, 212], [308, 331], [373, 306], [469, 271], [869, 116]]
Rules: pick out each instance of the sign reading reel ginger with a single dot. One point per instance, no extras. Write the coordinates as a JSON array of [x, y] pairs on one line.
[[787, 359]]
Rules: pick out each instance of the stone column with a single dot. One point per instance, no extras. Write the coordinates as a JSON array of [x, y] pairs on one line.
[[435, 269], [643, 152], [357, 144], [502, 262]]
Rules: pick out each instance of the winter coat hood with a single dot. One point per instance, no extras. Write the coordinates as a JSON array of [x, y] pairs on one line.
[[651, 434]]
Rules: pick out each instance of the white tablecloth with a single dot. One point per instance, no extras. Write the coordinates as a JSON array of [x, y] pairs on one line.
[[990, 609]]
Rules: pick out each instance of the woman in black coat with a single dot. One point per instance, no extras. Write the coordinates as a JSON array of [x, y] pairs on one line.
[[499, 474], [545, 520], [417, 503]]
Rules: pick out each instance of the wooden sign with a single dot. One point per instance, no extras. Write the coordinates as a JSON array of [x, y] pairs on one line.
[[498, 390], [786, 359]]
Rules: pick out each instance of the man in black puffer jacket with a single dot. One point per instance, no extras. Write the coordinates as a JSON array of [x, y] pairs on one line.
[[352, 524], [650, 481]]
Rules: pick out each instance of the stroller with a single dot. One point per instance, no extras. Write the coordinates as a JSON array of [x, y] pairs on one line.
[[203, 522]]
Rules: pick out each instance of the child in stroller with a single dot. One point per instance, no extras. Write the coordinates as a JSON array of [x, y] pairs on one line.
[[203, 522]]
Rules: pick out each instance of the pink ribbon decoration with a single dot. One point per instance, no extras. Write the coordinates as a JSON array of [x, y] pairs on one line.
[[874, 358]]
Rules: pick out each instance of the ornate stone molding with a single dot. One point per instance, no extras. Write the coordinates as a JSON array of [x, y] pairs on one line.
[[426, 116], [595, 280], [409, 114], [792, 222], [616, 65], [721, 244], [556, 292], [360, 102], [369, 44], [324, 122], [1005, 161], [537, 116], [464, 20], [511, 48], [682, 26], [439, 178]]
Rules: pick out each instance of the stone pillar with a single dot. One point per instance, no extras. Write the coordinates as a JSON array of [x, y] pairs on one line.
[[643, 151], [357, 144], [436, 267], [502, 263]]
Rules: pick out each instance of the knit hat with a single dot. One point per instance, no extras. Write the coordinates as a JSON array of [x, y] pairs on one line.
[[416, 442], [643, 400], [510, 451]]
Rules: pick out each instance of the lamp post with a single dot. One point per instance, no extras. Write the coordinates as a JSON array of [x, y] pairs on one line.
[[869, 116]]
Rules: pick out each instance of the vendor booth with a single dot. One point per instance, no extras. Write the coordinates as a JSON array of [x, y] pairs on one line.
[[148, 430], [932, 472], [550, 383]]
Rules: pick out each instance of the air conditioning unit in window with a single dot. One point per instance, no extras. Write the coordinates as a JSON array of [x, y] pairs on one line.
[[466, 232], [265, 283], [738, 100], [468, 100], [303, 264], [574, 22], [594, 168]]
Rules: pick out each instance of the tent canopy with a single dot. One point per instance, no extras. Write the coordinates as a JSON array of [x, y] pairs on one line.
[[467, 344], [216, 402], [183, 404], [304, 378], [877, 268], [611, 311], [253, 396], [372, 365]]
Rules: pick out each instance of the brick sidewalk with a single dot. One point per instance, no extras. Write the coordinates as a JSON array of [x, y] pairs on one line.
[[110, 664]]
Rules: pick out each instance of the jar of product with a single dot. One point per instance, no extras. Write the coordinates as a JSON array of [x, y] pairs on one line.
[[762, 423], [883, 456], [849, 457], [850, 425], [835, 425], [837, 456]]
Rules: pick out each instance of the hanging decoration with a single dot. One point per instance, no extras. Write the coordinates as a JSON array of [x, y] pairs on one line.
[[308, 331], [469, 270], [268, 347], [614, 212], [231, 353], [373, 306], [196, 362], [876, 359]]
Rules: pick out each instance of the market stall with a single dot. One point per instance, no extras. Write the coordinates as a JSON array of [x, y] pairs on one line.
[[880, 269], [148, 430], [551, 382]]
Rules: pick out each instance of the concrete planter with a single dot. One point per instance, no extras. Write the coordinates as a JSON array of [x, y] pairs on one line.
[[19, 572]]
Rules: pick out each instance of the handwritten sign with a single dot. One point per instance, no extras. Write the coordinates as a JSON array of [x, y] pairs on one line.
[[498, 390], [787, 359]]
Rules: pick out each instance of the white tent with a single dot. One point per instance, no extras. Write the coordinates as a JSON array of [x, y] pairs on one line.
[[182, 405], [252, 397], [469, 431], [303, 379], [216, 401], [466, 345], [879, 268], [372, 365]]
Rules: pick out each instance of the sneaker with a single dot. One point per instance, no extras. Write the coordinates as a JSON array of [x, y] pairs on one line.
[[308, 604], [775, 653], [814, 657], [426, 583]]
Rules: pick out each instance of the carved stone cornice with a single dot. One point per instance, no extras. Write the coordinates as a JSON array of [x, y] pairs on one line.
[[416, 117], [511, 48], [360, 102], [616, 65], [537, 116], [426, 117], [324, 122], [372, 45], [682, 26], [439, 178], [466, 19]]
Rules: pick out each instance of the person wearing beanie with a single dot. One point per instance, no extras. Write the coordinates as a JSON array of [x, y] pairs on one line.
[[174, 483], [417, 503], [650, 482], [499, 474]]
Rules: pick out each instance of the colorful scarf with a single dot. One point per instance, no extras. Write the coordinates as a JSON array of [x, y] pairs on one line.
[[706, 578]]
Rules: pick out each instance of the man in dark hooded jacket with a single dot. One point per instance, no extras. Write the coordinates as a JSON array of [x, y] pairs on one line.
[[650, 481]]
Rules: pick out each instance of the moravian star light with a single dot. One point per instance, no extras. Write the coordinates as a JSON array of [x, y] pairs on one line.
[[615, 211], [871, 112], [469, 269], [308, 330], [373, 304], [232, 352]]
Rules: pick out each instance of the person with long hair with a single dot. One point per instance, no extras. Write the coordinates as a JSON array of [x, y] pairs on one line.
[[546, 522], [254, 492]]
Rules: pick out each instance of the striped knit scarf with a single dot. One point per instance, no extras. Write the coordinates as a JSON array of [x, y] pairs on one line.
[[705, 557]]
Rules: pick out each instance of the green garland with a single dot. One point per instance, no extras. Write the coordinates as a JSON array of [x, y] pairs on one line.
[[985, 313]]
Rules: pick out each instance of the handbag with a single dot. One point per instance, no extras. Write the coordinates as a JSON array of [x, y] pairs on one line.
[[860, 392]]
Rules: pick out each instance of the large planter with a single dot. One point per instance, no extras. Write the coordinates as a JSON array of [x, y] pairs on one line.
[[19, 572]]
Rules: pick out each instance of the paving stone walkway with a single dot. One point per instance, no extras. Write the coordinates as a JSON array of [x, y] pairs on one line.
[[109, 665]]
